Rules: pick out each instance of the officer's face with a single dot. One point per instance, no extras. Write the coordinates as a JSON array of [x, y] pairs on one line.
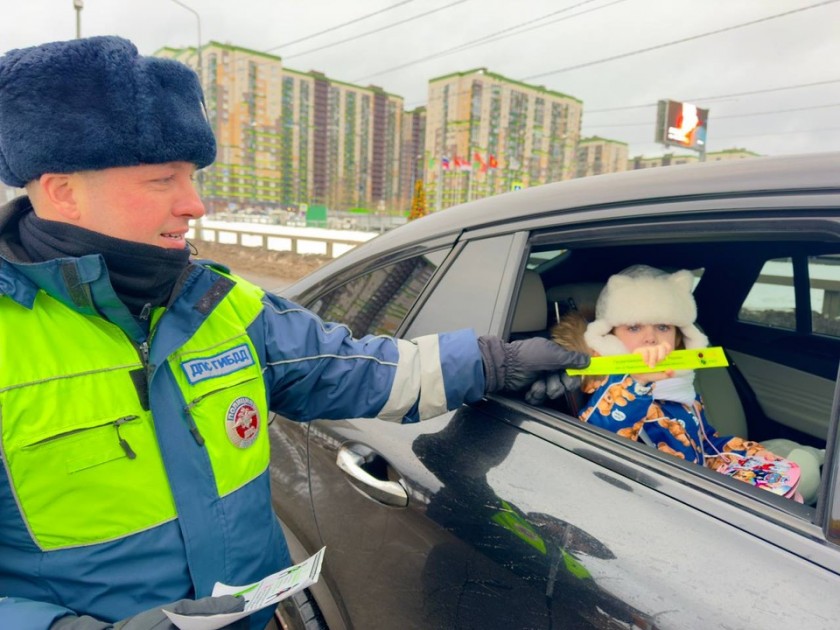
[[151, 204]]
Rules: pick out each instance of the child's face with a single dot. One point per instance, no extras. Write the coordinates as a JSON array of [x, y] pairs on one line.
[[637, 335]]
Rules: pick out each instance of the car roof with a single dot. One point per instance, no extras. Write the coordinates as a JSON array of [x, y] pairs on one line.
[[763, 175], [749, 177]]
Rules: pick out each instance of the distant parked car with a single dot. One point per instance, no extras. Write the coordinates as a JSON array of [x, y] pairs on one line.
[[505, 515]]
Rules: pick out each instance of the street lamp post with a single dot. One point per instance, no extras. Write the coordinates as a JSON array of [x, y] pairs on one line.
[[199, 176], [198, 50], [78, 5]]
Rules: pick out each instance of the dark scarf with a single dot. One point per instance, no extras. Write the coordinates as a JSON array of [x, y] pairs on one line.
[[143, 276]]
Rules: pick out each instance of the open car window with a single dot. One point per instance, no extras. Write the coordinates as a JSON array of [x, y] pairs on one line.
[[768, 303]]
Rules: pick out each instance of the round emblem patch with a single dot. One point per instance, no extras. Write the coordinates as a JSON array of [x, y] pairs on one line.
[[242, 422]]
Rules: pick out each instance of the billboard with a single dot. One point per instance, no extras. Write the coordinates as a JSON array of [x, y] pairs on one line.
[[682, 125]]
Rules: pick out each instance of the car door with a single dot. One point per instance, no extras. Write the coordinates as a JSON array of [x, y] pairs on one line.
[[514, 516], [339, 464], [475, 545]]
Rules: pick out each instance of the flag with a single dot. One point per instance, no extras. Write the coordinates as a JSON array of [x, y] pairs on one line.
[[463, 164], [444, 163], [492, 162], [481, 164]]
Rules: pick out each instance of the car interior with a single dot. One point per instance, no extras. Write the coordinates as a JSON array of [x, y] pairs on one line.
[[774, 306]]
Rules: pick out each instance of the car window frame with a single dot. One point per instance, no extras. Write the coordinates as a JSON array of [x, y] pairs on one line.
[[441, 253], [691, 227], [505, 290], [308, 290]]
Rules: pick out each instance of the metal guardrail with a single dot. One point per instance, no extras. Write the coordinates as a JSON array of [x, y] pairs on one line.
[[337, 221], [831, 299], [212, 234]]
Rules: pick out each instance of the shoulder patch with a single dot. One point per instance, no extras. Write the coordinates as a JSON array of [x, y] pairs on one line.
[[221, 364], [215, 294]]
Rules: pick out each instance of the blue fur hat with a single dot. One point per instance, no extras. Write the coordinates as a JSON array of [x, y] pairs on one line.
[[95, 103]]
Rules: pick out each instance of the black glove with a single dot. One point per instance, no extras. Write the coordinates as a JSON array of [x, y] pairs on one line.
[[155, 619], [552, 386], [516, 365]]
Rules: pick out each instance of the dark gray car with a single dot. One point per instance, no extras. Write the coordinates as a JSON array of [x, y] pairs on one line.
[[503, 514]]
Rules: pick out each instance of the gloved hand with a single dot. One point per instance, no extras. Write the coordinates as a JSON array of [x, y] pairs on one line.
[[552, 386], [155, 619], [516, 365]]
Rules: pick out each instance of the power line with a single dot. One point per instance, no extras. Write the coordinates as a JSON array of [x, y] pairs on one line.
[[713, 98], [677, 41], [338, 26], [764, 113], [490, 38], [696, 99], [377, 30], [516, 30], [779, 133], [506, 32], [718, 139]]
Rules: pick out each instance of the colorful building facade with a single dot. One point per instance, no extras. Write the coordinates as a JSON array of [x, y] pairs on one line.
[[287, 137], [596, 155], [487, 134]]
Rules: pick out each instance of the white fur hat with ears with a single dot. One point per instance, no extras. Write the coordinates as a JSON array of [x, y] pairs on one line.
[[644, 295]]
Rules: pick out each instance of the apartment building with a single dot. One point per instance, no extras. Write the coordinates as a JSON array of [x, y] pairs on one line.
[[731, 154], [487, 134], [669, 159], [288, 137], [412, 155], [640, 161], [596, 155]]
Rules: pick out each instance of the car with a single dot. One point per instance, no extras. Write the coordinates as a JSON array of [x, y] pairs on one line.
[[503, 514]]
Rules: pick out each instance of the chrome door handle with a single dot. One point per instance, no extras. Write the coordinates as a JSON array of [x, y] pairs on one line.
[[387, 492]]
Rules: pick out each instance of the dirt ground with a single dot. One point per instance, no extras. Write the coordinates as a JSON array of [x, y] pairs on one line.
[[282, 265]]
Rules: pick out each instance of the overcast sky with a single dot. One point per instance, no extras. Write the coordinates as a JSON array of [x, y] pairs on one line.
[[593, 50]]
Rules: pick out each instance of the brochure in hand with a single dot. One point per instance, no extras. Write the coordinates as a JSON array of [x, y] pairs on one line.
[[269, 591]]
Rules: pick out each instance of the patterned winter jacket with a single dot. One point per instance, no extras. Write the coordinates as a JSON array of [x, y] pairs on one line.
[[623, 405]]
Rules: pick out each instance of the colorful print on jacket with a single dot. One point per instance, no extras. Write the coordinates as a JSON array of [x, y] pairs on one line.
[[626, 407]]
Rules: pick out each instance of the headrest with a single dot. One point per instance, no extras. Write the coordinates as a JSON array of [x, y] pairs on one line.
[[574, 296]]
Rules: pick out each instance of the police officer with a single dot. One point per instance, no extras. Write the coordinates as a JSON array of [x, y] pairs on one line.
[[135, 384]]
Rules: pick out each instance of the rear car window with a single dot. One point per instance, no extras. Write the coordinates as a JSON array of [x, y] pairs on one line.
[[772, 301], [824, 278], [775, 302], [377, 302]]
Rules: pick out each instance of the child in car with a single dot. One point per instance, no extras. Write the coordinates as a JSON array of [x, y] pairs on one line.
[[648, 312]]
